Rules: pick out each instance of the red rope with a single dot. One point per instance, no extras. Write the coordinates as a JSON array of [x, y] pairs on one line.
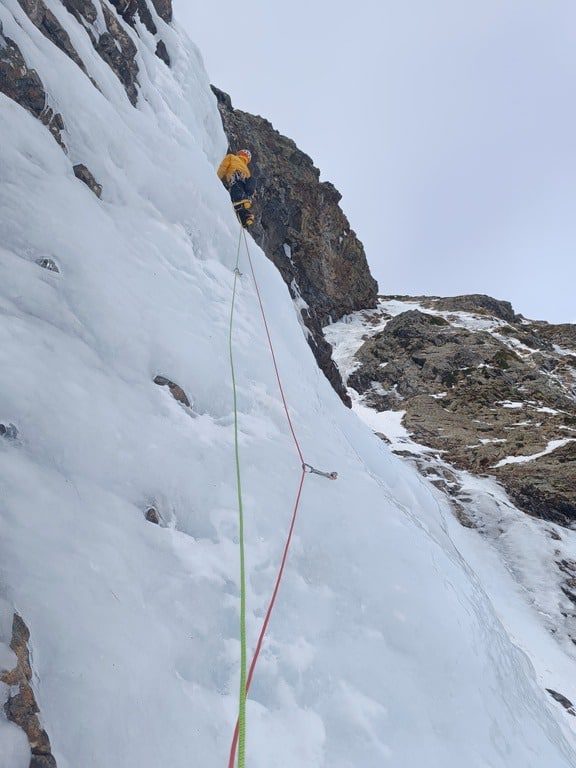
[[261, 636], [268, 613], [279, 380]]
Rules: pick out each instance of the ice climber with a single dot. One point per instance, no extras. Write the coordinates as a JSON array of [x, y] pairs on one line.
[[238, 180]]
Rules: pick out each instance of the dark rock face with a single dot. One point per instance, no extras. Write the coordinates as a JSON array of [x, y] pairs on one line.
[[303, 230], [114, 45], [476, 302], [82, 10], [48, 264], [118, 50], [176, 391], [21, 707], [162, 53], [568, 568], [129, 9], [152, 515], [51, 28], [563, 335], [163, 9], [561, 699], [8, 431], [25, 87], [146, 17], [548, 488], [86, 176], [482, 396], [424, 354]]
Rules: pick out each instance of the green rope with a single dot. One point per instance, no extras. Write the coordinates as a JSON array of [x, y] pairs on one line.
[[243, 654]]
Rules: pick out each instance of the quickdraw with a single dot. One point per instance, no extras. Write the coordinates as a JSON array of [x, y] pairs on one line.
[[310, 470]]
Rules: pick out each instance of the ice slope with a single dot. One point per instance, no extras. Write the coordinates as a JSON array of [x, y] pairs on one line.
[[384, 649], [518, 558]]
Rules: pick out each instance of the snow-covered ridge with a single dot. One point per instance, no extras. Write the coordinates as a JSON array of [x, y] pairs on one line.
[[348, 335], [512, 354], [538, 556], [384, 648]]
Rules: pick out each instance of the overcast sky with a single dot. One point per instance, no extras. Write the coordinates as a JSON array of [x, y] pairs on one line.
[[449, 126]]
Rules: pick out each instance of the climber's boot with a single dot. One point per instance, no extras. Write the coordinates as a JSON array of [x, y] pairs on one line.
[[242, 208]]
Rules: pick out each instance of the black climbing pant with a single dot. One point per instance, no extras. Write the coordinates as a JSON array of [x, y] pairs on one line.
[[241, 192], [242, 189]]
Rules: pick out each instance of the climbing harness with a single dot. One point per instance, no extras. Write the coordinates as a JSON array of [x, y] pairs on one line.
[[239, 737]]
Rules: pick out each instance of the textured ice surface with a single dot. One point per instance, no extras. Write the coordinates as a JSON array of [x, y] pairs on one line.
[[384, 648]]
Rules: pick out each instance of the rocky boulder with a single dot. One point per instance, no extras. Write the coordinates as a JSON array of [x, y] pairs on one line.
[[49, 264], [162, 53], [8, 431], [152, 515], [86, 176], [175, 390]]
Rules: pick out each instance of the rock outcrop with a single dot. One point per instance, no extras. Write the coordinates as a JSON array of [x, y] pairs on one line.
[[51, 28], [561, 699], [8, 431], [118, 50], [175, 390], [152, 515], [24, 86], [476, 302], [163, 9], [303, 231], [495, 393], [162, 53], [113, 43], [131, 10], [21, 707], [49, 264], [86, 176]]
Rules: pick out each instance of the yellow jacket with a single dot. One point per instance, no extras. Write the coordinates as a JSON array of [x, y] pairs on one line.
[[232, 165]]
